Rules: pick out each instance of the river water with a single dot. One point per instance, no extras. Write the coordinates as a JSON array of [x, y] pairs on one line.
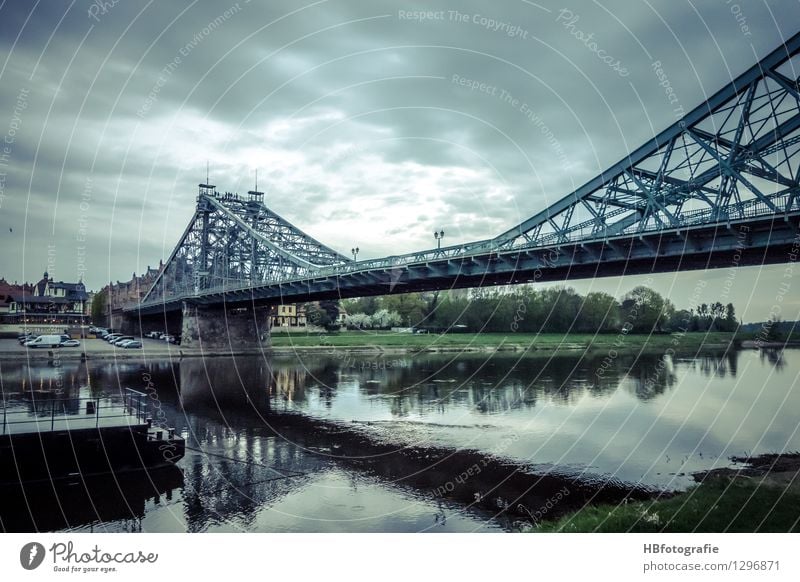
[[415, 442]]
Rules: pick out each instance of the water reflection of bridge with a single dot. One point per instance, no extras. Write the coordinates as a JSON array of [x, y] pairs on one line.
[[261, 436]]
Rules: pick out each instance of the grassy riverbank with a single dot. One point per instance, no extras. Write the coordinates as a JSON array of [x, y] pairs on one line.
[[762, 498], [719, 505], [510, 341]]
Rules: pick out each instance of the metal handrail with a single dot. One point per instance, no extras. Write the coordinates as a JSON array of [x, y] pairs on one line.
[[134, 405]]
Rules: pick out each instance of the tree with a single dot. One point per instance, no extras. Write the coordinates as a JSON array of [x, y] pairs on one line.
[[99, 304], [681, 320], [358, 321], [323, 313], [598, 312], [729, 321], [773, 329], [561, 306], [411, 307], [431, 302], [368, 305], [646, 310], [385, 319]]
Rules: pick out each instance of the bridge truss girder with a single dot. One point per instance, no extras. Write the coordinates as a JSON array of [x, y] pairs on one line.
[[734, 156], [768, 240]]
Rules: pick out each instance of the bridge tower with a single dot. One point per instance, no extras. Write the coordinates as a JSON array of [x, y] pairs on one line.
[[233, 243]]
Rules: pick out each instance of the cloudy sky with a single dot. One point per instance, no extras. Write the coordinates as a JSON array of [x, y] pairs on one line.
[[369, 123]]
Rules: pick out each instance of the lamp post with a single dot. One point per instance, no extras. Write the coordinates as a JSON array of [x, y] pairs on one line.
[[438, 236], [355, 253]]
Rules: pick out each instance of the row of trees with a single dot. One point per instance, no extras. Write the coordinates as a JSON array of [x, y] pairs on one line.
[[555, 309]]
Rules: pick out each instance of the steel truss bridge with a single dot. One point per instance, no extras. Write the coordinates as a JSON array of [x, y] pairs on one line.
[[718, 188]]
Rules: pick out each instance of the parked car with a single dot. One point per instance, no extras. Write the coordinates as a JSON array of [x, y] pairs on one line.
[[70, 343], [168, 338], [122, 338], [112, 337], [26, 338], [45, 341], [132, 344]]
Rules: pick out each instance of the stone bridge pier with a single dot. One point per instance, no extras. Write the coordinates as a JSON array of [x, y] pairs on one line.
[[225, 330], [139, 325]]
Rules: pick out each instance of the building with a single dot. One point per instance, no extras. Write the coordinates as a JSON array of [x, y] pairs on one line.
[[48, 301], [289, 316], [128, 293], [87, 309]]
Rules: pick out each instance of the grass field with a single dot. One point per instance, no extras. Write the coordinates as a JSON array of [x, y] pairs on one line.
[[718, 505], [551, 341]]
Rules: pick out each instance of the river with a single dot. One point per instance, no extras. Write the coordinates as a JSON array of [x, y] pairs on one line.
[[415, 442]]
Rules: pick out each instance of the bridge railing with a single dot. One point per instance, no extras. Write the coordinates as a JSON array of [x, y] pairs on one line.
[[587, 231]]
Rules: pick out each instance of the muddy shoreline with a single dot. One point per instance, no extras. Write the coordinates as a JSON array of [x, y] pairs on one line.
[[771, 469]]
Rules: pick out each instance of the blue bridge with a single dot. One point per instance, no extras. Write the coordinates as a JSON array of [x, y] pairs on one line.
[[722, 182]]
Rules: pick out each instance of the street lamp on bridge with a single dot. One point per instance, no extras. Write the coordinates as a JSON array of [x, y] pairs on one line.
[[438, 236], [355, 253]]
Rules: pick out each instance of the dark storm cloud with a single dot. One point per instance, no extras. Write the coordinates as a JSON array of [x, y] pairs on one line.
[[368, 124]]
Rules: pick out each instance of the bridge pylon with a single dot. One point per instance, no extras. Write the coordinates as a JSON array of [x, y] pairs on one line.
[[235, 242], [220, 330]]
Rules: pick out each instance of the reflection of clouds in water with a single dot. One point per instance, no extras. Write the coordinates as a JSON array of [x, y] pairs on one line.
[[643, 410]]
